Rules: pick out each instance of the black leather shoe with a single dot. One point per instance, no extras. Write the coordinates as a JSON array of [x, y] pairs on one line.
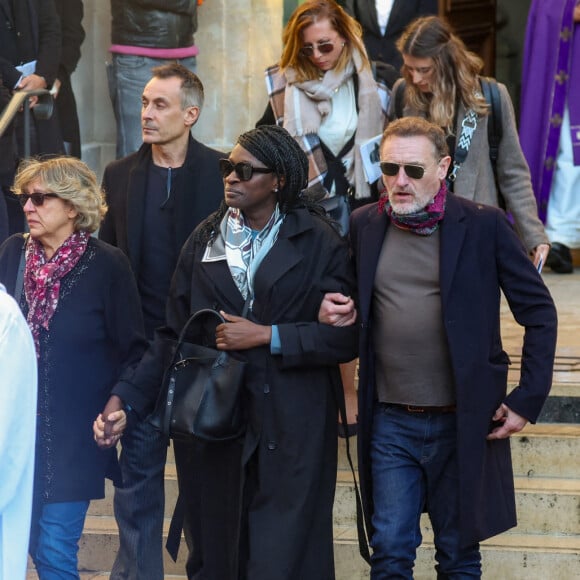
[[560, 259]]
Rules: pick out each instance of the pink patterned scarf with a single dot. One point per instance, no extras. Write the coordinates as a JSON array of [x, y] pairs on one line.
[[42, 279], [423, 222]]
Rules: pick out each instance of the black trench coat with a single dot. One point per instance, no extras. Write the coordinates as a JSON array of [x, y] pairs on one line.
[[285, 466]]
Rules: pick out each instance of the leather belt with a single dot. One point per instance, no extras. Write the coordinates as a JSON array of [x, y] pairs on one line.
[[421, 408]]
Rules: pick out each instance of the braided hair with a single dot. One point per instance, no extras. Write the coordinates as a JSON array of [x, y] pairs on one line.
[[278, 151]]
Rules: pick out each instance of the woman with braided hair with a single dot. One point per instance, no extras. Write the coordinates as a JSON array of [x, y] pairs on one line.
[[260, 507]]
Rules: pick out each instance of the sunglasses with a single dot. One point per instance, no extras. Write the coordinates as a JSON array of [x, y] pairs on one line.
[[412, 171], [323, 47], [243, 169], [37, 199]]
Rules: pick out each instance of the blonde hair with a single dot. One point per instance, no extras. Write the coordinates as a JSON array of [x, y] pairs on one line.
[[72, 181], [456, 71], [304, 16]]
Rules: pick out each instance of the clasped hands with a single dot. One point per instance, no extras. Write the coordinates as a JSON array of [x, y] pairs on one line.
[[109, 425]]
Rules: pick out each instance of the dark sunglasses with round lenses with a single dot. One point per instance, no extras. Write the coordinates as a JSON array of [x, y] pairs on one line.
[[37, 198], [243, 169], [323, 47], [412, 171]]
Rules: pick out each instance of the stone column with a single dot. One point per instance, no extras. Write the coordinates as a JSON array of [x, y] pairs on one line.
[[237, 40]]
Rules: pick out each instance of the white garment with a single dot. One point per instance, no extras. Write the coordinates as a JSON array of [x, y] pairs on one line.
[[384, 8], [17, 436], [340, 124], [563, 216]]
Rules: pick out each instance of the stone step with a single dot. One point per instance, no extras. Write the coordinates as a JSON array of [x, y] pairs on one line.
[[101, 575], [100, 542], [541, 450], [510, 556], [544, 450], [547, 450], [544, 505]]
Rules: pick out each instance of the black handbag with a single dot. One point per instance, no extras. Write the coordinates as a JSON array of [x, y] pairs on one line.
[[200, 396]]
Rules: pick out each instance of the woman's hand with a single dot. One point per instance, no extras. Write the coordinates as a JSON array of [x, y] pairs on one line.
[[240, 334], [540, 255], [337, 309], [109, 425]]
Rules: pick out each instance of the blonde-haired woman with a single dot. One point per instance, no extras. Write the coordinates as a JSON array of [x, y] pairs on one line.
[[323, 91], [442, 84], [81, 304]]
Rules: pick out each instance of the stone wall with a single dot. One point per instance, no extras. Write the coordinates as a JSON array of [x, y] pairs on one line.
[[237, 41]]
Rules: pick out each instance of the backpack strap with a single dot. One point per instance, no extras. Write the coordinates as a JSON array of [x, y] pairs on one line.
[[494, 128], [399, 100], [19, 286]]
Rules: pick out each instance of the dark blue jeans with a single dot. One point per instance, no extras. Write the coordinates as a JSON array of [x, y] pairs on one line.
[[54, 539], [414, 469]]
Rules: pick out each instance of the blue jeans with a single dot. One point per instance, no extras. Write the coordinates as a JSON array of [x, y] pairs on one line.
[[54, 539], [414, 469], [127, 76]]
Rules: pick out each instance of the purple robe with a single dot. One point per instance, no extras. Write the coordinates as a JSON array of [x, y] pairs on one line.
[[552, 50]]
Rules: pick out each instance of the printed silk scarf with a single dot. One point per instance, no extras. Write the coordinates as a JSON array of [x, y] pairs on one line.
[[42, 279], [423, 222], [243, 249]]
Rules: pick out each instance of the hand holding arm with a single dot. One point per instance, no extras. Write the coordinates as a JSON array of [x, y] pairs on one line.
[[512, 423], [337, 309]]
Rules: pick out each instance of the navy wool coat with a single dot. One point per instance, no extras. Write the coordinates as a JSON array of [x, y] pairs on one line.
[[286, 464], [198, 192], [479, 256], [96, 333]]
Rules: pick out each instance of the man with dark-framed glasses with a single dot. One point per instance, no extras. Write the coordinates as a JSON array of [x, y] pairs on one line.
[[434, 413]]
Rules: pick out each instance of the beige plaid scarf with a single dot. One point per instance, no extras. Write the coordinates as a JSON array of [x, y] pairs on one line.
[[307, 103]]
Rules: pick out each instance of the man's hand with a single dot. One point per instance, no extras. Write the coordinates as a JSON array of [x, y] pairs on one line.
[[55, 88], [32, 82], [510, 421], [337, 309], [239, 333], [109, 425], [540, 252]]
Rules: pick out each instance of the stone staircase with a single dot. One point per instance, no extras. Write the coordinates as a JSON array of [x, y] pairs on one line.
[[546, 456]]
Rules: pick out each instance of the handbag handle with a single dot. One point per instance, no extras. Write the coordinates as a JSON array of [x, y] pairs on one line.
[[197, 315], [193, 318]]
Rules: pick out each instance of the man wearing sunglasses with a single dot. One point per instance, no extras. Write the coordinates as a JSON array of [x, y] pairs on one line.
[[434, 414], [156, 197]]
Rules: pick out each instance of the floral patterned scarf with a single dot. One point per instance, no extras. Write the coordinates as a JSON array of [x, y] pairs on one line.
[[423, 222], [42, 279]]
